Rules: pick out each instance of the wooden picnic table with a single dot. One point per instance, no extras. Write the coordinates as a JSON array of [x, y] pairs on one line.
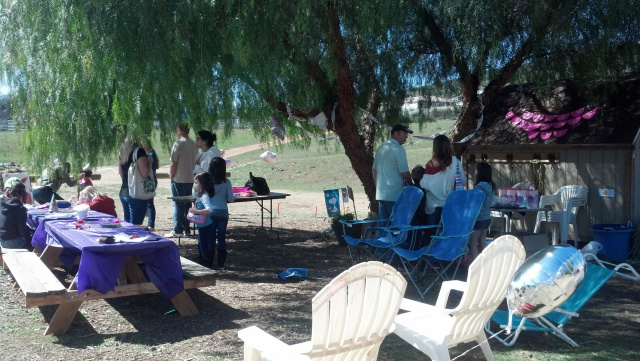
[[104, 270]]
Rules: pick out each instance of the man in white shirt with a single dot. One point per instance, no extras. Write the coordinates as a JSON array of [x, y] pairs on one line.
[[391, 170]]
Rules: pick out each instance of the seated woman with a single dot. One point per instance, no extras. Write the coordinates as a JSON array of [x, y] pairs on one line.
[[14, 232], [97, 201]]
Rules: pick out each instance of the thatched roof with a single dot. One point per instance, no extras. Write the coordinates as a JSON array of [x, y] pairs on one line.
[[617, 118]]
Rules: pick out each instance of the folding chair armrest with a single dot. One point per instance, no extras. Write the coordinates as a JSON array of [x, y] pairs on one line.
[[632, 275], [445, 291], [455, 236], [350, 222], [395, 230]]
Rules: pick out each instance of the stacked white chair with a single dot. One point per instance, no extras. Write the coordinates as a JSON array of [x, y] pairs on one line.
[[572, 197]]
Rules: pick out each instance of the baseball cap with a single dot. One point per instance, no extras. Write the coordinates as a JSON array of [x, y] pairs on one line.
[[401, 127], [9, 183]]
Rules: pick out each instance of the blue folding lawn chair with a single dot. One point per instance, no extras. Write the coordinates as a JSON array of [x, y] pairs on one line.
[[458, 217], [395, 231], [595, 277]]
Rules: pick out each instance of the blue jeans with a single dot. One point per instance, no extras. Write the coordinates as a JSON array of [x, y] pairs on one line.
[[133, 209], [220, 234], [384, 210], [43, 195], [151, 214], [205, 240], [19, 242], [180, 209]]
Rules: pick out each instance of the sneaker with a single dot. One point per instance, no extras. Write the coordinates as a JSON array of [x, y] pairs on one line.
[[220, 268], [169, 235]]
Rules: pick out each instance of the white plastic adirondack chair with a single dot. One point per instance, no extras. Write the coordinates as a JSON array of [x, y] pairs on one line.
[[351, 316], [435, 329]]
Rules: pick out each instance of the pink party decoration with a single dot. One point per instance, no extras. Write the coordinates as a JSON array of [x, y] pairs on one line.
[[589, 114], [510, 114], [554, 124], [560, 133], [577, 112], [574, 121]]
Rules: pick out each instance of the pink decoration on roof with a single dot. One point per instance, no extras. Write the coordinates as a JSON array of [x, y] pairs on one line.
[[558, 125], [527, 115], [564, 116], [560, 133], [577, 112], [589, 114], [574, 121], [533, 134], [546, 126], [545, 135], [550, 117], [510, 114], [516, 120], [538, 117]]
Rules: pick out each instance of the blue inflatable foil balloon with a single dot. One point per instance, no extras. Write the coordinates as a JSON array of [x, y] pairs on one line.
[[545, 280]]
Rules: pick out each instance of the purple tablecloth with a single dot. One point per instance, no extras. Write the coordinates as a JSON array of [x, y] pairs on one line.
[[100, 264]]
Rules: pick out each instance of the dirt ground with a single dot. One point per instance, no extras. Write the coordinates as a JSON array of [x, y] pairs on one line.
[[249, 293]]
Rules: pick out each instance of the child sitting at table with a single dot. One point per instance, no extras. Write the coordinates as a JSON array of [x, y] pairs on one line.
[[14, 232], [220, 214], [483, 221], [97, 201], [203, 191]]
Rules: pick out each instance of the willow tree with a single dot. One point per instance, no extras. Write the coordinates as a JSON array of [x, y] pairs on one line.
[[89, 73]]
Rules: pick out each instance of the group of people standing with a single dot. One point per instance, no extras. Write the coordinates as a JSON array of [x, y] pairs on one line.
[[196, 169], [437, 179]]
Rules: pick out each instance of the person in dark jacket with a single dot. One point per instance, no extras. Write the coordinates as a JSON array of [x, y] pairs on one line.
[[97, 201], [14, 232]]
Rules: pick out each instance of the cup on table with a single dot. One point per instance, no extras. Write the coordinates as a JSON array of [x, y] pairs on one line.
[[82, 211]]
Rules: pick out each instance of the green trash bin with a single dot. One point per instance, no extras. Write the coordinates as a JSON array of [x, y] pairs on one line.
[[615, 240]]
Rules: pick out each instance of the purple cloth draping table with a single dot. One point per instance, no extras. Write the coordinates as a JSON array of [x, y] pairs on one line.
[[100, 264]]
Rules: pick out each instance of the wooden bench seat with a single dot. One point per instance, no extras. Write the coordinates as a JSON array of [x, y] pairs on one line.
[[39, 285], [196, 275]]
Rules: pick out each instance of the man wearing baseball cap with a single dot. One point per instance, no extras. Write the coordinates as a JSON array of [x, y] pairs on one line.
[[391, 170]]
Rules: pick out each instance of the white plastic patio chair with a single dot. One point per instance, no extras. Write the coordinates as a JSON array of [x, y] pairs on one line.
[[572, 197], [350, 318], [435, 329]]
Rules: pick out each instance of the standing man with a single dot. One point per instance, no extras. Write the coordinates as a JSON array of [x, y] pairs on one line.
[[183, 159], [391, 170], [50, 182]]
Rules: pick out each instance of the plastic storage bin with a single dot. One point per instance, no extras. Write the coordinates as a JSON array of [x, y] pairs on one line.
[[615, 240]]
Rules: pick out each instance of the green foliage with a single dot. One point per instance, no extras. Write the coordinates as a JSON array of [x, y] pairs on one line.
[[88, 74]]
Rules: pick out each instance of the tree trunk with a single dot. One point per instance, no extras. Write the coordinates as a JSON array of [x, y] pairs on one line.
[[345, 125]]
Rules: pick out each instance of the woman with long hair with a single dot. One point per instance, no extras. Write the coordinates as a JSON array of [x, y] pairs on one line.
[[223, 194], [478, 238], [133, 209], [439, 177]]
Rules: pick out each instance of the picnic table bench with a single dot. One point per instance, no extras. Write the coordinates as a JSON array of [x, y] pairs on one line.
[[42, 288]]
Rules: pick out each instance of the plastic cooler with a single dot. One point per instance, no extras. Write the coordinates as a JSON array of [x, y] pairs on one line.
[[615, 240]]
